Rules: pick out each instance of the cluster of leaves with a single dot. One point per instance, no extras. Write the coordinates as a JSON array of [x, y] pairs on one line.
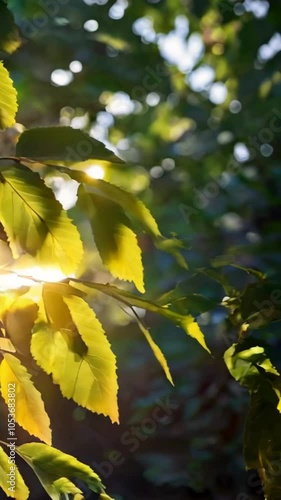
[[52, 322], [48, 322]]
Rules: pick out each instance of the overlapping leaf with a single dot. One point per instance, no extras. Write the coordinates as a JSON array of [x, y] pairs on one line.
[[187, 322], [30, 414], [62, 144], [55, 470], [134, 208], [9, 35], [115, 240], [21, 491], [8, 99], [35, 222], [18, 321], [72, 346], [251, 367]]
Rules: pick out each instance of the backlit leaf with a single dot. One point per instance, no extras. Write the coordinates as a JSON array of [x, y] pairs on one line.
[[53, 468], [35, 222], [18, 321], [187, 322], [30, 411], [8, 99], [21, 491], [156, 351], [134, 208], [115, 240], [72, 346]]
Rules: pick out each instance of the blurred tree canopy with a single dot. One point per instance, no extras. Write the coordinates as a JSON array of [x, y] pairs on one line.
[[188, 93]]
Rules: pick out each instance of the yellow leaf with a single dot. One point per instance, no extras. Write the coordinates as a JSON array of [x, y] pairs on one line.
[[69, 343], [187, 322], [18, 321], [30, 411], [157, 352], [116, 242], [8, 99], [7, 467], [56, 470], [35, 221]]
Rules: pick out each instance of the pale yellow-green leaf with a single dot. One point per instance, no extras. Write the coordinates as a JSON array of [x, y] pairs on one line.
[[6, 345], [35, 222], [116, 242], [64, 485], [72, 346], [156, 351], [186, 322], [8, 99], [30, 411], [104, 496], [18, 321], [53, 468], [21, 491]]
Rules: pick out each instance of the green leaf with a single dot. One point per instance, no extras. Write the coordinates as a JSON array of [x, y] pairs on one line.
[[262, 441], [156, 351], [35, 222], [64, 485], [30, 411], [8, 99], [133, 207], [20, 491], [9, 34], [247, 365], [53, 468], [6, 345], [129, 203], [116, 242], [18, 321], [72, 346], [186, 322], [62, 144]]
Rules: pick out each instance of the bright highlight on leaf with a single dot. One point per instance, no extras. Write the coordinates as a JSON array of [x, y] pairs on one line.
[[35, 222], [56, 469], [72, 346], [8, 99], [187, 322], [116, 242], [21, 490], [30, 411], [156, 351]]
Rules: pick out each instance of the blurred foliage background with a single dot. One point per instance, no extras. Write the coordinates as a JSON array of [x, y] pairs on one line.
[[189, 92]]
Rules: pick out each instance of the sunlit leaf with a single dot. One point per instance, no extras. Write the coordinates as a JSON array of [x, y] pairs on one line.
[[187, 322], [8, 99], [72, 346], [30, 411], [134, 208], [20, 490], [53, 468], [18, 321], [156, 351], [115, 240], [35, 222], [6, 345]]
